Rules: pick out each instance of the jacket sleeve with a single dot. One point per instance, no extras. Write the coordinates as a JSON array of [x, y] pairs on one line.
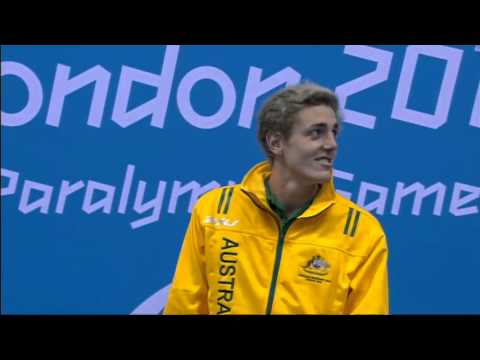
[[369, 284], [189, 291]]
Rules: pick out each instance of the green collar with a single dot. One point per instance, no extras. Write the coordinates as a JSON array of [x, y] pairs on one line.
[[279, 208]]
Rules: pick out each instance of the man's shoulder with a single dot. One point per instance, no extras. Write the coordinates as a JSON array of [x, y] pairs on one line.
[[350, 209], [217, 197]]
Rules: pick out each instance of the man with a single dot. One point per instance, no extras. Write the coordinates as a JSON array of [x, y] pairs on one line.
[[283, 241]]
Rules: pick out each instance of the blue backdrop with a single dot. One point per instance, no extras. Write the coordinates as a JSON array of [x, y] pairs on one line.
[[105, 149]]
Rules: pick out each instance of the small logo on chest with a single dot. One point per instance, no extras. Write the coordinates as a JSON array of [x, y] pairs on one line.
[[315, 270], [220, 221]]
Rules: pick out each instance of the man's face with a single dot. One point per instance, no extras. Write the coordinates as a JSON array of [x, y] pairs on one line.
[[309, 152]]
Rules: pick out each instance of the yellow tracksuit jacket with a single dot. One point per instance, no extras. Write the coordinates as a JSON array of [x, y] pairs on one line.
[[238, 257]]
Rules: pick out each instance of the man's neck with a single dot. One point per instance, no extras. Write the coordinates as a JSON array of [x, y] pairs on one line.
[[290, 191]]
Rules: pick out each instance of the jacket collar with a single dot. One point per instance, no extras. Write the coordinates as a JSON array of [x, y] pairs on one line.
[[253, 184]]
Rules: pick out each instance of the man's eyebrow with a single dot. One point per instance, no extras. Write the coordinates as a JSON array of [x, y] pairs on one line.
[[318, 125], [323, 124]]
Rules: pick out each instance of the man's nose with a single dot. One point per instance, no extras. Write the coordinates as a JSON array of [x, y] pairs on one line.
[[330, 142]]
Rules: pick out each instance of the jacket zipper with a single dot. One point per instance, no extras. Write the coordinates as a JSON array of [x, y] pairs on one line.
[[276, 267]]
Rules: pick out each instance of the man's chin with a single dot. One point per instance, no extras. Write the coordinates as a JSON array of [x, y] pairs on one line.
[[320, 177]]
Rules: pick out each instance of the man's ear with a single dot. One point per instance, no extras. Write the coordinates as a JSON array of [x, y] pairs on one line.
[[275, 142]]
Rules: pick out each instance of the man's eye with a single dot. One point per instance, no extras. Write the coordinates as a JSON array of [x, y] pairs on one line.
[[316, 132]]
